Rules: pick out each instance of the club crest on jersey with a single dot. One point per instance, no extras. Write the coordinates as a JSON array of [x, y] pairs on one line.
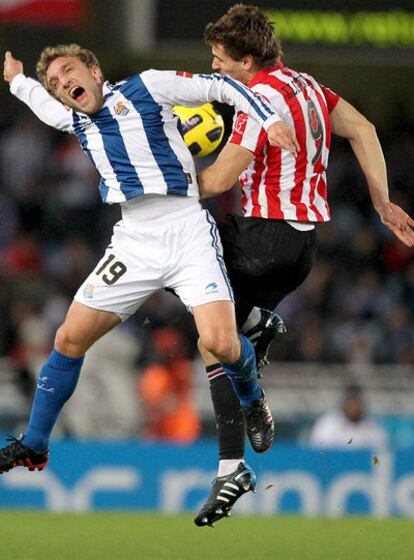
[[121, 109], [88, 291], [240, 123]]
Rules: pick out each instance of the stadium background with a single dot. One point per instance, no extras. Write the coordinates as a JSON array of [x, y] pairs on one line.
[[353, 320]]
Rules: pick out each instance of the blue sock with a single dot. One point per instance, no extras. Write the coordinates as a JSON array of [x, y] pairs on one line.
[[55, 385], [243, 374]]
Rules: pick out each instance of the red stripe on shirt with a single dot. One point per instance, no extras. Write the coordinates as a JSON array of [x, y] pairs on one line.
[[272, 182], [301, 159], [255, 186]]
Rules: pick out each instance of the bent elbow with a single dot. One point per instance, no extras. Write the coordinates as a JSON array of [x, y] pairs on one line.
[[223, 185], [363, 130], [367, 127], [216, 185], [370, 127]]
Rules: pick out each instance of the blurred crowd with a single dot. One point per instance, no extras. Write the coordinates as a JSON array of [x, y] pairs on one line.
[[357, 306]]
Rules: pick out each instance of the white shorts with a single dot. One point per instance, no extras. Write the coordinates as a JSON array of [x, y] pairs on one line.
[[183, 254]]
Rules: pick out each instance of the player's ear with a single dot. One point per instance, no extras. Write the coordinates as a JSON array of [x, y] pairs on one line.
[[97, 73], [248, 62]]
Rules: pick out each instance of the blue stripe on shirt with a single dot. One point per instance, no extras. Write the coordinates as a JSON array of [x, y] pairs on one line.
[[77, 126], [135, 91], [116, 152], [263, 111]]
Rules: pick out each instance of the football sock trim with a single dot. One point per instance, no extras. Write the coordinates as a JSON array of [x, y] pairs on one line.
[[228, 466]]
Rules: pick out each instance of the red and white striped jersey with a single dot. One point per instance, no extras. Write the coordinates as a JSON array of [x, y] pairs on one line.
[[277, 184]]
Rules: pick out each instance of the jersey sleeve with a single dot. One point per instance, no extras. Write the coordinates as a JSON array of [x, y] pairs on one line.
[[44, 106], [331, 98], [182, 88], [247, 133]]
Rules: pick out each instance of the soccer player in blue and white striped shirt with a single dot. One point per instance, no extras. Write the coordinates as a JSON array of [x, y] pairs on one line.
[[164, 239]]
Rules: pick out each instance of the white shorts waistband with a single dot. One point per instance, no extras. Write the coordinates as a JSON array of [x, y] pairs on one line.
[[156, 210]]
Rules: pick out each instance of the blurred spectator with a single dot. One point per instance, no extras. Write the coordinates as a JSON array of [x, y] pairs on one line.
[[33, 342], [400, 336], [77, 178], [348, 427], [69, 260], [165, 388], [23, 155], [106, 406], [23, 256], [9, 220]]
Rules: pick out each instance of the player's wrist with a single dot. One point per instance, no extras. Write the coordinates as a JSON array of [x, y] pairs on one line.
[[271, 120], [382, 206], [16, 82]]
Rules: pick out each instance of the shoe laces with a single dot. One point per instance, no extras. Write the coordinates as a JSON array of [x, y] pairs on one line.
[[14, 438], [260, 411], [9, 450], [256, 410]]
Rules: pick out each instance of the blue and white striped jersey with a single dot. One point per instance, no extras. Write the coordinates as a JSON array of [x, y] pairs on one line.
[[134, 141]]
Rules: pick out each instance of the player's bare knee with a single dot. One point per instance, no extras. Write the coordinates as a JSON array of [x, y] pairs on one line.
[[224, 346], [68, 343]]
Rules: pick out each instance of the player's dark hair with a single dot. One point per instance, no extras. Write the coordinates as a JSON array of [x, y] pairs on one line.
[[49, 54], [245, 30]]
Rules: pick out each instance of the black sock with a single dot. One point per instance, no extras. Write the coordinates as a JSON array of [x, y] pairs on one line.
[[229, 417]]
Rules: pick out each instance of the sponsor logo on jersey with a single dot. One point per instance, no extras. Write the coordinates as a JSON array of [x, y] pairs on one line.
[[121, 109], [88, 291], [83, 122], [184, 74]]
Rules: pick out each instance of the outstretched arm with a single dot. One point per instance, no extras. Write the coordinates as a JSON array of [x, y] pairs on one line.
[[182, 88], [349, 123], [33, 94]]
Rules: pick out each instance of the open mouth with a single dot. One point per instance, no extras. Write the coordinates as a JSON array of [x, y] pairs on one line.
[[76, 92]]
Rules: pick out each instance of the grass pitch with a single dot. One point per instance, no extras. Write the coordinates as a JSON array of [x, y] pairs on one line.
[[119, 536]]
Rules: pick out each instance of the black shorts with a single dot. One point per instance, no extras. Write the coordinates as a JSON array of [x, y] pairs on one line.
[[266, 259]]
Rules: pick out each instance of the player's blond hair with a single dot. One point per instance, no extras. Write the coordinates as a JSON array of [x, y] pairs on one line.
[[49, 54], [245, 30]]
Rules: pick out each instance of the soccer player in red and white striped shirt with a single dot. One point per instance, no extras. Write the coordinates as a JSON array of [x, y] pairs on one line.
[[269, 251]]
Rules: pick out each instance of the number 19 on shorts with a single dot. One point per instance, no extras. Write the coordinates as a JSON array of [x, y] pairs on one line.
[[111, 270]]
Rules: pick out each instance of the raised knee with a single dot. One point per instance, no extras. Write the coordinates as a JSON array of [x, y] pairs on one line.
[[223, 345], [66, 342]]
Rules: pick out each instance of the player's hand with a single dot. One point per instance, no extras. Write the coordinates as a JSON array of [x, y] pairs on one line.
[[12, 67], [398, 221], [282, 135]]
